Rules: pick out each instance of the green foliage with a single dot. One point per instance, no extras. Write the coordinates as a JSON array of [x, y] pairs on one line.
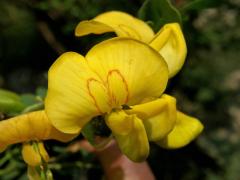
[[12, 166], [95, 130], [159, 12], [13, 104], [88, 132], [10, 102], [196, 5]]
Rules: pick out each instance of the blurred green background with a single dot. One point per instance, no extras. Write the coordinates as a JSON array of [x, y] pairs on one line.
[[34, 33]]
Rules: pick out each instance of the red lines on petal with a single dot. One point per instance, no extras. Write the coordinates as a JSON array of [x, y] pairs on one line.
[[117, 86], [98, 92], [91, 94], [108, 94]]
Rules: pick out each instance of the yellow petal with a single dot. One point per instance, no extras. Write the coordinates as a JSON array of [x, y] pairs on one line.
[[73, 94], [23, 128], [130, 135], [34, 154], [119, 122], [123, 24], [131, 69], [8, 134], [33, 125], [30, 155], [186, 129], [117, 86], [99, 93], [170, 43], [60, 136], [27, 127], [43, 152], [158, 116], [95, 27]]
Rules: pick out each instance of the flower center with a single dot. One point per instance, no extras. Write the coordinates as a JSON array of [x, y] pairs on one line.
[[112, 93]]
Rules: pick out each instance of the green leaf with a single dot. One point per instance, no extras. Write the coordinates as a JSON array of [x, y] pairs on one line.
[[159, 12], [88, 132], [10, 102], [34, 107], [142, 12], [9, 94], [97, 132], [41, 92], [29, 99], [32, 103]]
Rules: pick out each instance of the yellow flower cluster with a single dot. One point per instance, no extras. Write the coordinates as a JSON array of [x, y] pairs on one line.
[[132, 69], [129, 70], [28, 128]]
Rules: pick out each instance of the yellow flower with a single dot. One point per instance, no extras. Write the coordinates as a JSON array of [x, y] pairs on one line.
[[30, 129], [169, 41], [115, 73], [33, 154]]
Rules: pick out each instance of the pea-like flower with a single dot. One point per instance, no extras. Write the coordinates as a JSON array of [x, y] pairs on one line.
[[118, 73], [169, 41], [30, 129]]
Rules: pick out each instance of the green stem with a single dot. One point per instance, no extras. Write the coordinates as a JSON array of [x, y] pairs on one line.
[[33, 107]]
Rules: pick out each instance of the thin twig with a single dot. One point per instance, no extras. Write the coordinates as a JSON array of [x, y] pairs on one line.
[[50, 38]]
